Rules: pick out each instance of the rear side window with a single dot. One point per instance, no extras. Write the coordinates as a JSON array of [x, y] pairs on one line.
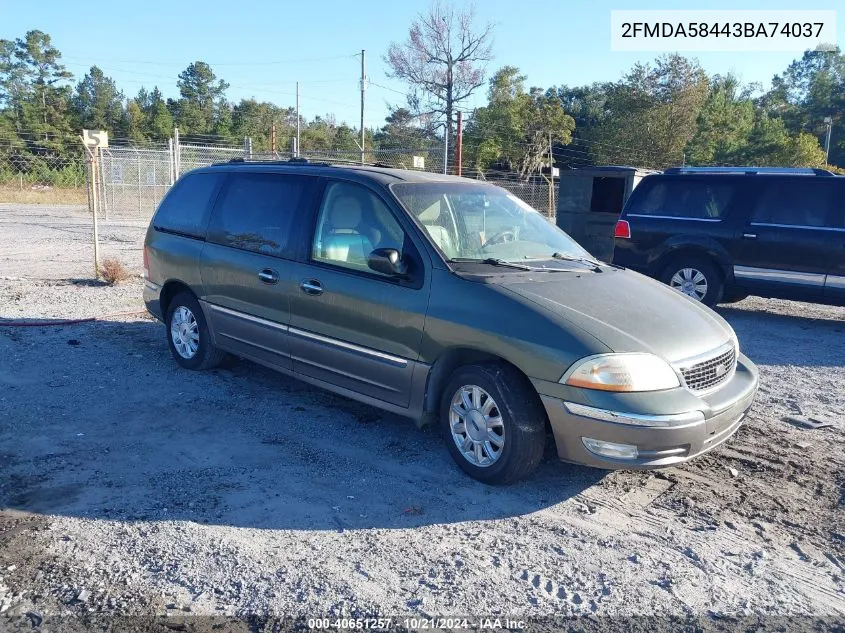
[[255, 212], [794, 202], [682, 198], [184, 210]]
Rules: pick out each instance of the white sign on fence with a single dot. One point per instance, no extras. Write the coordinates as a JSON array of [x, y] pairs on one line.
[[95, 138], [419, 162]]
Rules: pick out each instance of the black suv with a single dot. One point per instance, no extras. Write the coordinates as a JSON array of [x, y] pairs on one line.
[[721, 234]]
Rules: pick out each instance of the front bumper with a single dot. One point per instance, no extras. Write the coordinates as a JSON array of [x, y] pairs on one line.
[[656, 447]]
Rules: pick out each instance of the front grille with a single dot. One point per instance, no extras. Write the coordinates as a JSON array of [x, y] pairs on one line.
[[709, 373]]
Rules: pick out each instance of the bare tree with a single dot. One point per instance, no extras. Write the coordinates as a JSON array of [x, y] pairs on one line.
[[443, 60]]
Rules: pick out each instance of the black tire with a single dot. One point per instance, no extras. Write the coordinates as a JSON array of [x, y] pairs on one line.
[[522, 415], [708, 269], [206, 355]]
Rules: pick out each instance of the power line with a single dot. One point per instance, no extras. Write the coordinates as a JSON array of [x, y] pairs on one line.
[[217, 63]]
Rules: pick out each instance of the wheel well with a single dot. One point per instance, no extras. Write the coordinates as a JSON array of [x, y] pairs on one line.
[[691, 251], [170, 290], [446, 364]]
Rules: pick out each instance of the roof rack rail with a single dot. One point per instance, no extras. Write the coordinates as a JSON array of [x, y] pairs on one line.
[[795, 171], [294, 160], [301, 160]]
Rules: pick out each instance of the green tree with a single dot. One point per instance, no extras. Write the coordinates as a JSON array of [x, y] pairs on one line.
[[158, 121], [651, 114], [517, 127], [97, 103], [400, 138], [200, 91], [809, 90], [724, 123], [45, 93], [770, 144], [134, 122], [12, 84]]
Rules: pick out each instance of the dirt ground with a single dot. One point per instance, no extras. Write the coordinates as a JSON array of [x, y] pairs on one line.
[[131, 487]]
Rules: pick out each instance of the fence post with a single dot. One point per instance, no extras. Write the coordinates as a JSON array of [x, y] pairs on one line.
[[446, 147], [459, 149], [102, 196], [139, 180], [177, 155], [170, 159]]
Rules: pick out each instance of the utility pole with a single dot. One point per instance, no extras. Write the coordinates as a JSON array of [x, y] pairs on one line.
[[363, 91], [829, 123], [273, 138], [297, 119], [459, 143]]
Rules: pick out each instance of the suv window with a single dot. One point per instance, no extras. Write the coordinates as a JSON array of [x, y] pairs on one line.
[[352, 223], [683, 198], [255, 212], [793, 202], [184, 209]]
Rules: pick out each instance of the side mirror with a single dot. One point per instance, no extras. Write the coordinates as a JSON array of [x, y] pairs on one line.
[[387, 261]]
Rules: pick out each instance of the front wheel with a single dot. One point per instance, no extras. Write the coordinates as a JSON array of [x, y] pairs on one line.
[[696, 277], [493, 423]]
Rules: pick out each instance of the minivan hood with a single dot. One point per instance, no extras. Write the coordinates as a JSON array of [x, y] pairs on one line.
[[627, 311]]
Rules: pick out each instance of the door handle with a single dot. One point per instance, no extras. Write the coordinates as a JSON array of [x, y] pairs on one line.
[[311, 287], [269, 276], [750, 236]]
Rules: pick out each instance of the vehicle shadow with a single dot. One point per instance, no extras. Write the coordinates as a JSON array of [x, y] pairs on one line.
[[97, 421], [775, 338]]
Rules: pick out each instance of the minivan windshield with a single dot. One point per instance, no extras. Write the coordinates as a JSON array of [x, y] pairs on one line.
[[471, 222]]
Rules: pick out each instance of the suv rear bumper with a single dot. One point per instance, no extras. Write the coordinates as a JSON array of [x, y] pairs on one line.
[[656, 447]]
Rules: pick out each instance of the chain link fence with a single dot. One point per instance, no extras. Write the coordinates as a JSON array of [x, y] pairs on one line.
[[27, 177], [133, 180]]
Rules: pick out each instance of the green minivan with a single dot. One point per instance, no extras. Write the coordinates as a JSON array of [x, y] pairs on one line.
[[446, 300]]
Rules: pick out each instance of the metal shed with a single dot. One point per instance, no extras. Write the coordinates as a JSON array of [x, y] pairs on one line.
[[589, 203]]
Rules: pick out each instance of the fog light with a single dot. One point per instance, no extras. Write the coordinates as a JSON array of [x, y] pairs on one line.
[[610, 449]]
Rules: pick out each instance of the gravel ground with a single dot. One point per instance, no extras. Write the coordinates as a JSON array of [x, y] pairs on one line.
[[131, 487]]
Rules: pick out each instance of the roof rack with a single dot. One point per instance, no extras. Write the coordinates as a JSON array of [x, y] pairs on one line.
[[794, 171], [300, 160], [294, 160]]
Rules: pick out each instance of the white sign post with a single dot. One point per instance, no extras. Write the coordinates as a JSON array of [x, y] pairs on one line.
[[92, 141]]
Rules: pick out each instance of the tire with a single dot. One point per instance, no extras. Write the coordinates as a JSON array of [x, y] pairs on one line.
[[521, 430], [703, 274], [204, 355]]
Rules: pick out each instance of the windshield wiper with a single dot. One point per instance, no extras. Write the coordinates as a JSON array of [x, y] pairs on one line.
[[584, 260], [492, 261]]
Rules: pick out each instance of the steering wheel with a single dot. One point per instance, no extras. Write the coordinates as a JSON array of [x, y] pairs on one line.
[[502, 237]]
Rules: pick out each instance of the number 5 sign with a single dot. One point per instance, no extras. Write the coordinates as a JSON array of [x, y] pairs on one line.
[[95, 138]]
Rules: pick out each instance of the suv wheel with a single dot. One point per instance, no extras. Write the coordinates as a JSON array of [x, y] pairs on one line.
[[697, 278], [187, 334], [493, 423]]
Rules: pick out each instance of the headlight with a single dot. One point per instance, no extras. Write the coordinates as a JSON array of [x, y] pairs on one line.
[[622, 372]]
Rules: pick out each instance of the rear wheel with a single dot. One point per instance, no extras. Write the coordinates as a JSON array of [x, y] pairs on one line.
[[188, 336], [493, 423], [696, 277]]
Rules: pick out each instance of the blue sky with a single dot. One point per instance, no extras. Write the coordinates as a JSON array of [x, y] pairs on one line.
[[262, 47]]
